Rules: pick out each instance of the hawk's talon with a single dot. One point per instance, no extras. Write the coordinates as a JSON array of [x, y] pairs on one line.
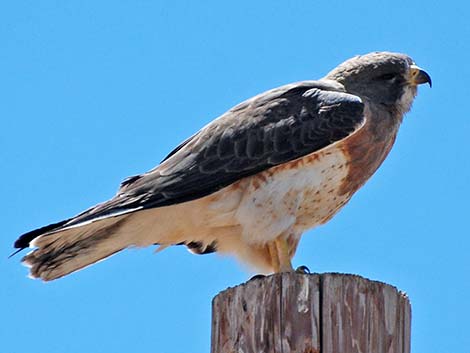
[[258, 276], [303, 270]]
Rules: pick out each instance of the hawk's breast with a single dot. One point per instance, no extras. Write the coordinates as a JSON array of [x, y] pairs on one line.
[[293, 196]]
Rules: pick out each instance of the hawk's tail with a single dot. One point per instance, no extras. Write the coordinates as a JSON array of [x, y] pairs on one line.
[[61, 252]]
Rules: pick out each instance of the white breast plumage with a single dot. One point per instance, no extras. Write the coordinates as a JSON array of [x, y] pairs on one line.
[[297, 195]]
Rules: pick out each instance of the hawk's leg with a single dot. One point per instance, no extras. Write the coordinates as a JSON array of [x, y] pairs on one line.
[[280, 255]]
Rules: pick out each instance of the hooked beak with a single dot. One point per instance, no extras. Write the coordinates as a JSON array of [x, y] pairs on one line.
[[418, 76]]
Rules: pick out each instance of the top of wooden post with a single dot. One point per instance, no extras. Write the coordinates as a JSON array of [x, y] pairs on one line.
[[311, 313]]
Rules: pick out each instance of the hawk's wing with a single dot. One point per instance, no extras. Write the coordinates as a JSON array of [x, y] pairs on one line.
[[272, 128]]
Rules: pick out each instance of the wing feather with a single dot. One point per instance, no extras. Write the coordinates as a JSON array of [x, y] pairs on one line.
[[267, 130], [272, 128]]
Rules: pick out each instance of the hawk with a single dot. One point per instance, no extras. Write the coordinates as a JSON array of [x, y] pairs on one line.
[[253, 180]]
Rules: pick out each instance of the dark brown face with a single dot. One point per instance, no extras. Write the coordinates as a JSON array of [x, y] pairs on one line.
[[388, 79]]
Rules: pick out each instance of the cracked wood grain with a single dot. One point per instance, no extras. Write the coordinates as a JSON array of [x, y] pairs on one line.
[[327, 313]]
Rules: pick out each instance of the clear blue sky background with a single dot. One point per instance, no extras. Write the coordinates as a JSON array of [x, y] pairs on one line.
[[94, 91]]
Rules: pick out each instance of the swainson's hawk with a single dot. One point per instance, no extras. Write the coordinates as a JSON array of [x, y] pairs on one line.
[[254, 179]]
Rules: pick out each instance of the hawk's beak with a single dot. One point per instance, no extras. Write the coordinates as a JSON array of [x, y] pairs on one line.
[[419, 76]]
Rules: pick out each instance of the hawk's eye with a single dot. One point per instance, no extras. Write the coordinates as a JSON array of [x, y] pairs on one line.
[[386, 77]]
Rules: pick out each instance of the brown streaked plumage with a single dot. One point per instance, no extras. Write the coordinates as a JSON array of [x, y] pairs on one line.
[[253, 180]]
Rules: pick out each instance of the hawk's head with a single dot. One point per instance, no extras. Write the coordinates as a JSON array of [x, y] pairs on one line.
[[389, 79]]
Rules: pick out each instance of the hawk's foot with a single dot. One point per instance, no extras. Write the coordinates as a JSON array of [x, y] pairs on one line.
[[303, 270], [258, 276]]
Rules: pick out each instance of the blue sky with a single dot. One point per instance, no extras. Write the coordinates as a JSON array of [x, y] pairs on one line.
[[95, 91]]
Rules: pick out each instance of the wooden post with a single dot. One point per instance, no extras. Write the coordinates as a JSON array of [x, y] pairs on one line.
[[297, 313]]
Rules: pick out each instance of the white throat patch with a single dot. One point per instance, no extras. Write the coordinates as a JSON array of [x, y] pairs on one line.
[[406, 99]]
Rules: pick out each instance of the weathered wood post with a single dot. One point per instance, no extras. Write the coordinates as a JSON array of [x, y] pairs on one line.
[[297, 313]]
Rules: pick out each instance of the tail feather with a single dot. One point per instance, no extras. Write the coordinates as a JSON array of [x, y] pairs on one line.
[[202, 225], [23, 241], [65, 251]]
